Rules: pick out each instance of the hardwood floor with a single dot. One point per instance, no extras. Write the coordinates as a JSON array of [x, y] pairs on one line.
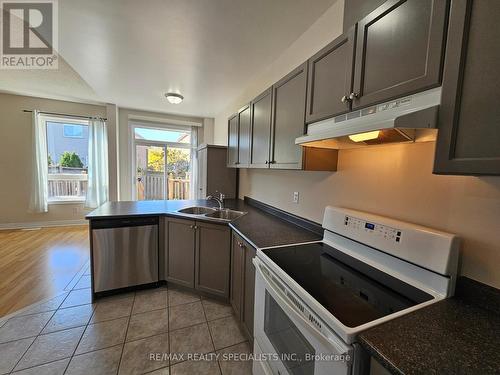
[[37, 264]]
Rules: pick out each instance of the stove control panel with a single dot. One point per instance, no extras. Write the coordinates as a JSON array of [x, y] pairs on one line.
[[379, 230], [426, 247]]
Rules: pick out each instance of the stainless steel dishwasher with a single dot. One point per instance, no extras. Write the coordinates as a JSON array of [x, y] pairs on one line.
[[124, 252]]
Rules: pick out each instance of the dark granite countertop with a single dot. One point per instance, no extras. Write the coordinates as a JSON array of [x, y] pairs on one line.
[[454, 336], [144, 208], [261, 228]]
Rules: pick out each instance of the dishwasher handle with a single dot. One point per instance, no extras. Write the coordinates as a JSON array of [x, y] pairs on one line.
[[124, 222]]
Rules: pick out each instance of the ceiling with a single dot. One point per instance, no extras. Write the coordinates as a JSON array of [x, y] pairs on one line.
[[131, 52]]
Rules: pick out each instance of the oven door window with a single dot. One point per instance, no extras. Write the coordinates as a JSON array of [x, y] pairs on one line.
[[295, 352]]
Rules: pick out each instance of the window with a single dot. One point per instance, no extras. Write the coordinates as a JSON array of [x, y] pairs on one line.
[[67, 155], [73, 131], [163, 135], [163, 162]]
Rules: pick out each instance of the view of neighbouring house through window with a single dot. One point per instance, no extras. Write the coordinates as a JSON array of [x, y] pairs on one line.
[[67, 155]]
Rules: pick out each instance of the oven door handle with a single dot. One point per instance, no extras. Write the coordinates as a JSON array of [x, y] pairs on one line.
[[292, 310]]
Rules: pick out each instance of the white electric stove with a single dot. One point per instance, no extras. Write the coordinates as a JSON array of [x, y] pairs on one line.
[[313, 299]]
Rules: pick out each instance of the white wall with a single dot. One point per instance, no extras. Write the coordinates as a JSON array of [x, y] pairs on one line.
[[323, 31], [207, 135], [16, 153], [15, 159]]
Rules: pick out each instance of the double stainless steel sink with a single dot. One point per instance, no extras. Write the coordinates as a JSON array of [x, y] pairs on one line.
[[197, 210], [224, 214]]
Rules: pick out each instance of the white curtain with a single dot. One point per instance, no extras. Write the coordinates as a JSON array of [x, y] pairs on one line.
[[194, 163], [40, 165], [98, 185]]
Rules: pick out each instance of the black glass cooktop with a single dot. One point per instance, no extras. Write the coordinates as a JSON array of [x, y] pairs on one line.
[[353, 291]]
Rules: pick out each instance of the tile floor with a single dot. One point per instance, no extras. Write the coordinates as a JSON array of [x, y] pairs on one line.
[[125, 334]]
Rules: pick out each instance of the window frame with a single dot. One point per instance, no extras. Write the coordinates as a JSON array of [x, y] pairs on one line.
[[69, 121]]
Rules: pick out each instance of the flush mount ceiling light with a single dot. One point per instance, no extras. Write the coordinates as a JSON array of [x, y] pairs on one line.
[[174, 98]]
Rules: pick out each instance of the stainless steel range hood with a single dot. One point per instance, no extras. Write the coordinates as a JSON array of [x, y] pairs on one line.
[[409, 119]]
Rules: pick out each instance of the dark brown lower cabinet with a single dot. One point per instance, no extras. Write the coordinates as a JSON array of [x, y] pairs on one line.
[[212, 258], [198, 255], [236, 275], [243, 282], [248, 290], [180, 247]]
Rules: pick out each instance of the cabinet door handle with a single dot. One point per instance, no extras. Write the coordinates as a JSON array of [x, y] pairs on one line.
[[353, 95], [272, 162], [267, 161], [344, 99]]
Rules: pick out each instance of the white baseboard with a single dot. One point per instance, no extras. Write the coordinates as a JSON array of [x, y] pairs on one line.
[[43, 224]]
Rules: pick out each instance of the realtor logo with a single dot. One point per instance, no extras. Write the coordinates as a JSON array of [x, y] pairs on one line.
[[29, 34]]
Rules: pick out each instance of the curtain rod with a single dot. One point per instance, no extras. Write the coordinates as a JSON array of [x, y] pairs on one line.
[[64, 114]]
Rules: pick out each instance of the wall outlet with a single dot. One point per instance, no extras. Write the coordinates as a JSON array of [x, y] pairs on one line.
[[295, 197]]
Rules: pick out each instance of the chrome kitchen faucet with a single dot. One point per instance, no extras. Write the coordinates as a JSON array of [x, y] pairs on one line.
[[219, 199]]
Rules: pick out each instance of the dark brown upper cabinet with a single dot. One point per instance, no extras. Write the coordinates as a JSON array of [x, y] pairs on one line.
[[260, 129], [468, 140], [355, 10], [213, 175], [289, 98], [244, 136], [276, 118], [331, 78], [233, 140], [399, 50]]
